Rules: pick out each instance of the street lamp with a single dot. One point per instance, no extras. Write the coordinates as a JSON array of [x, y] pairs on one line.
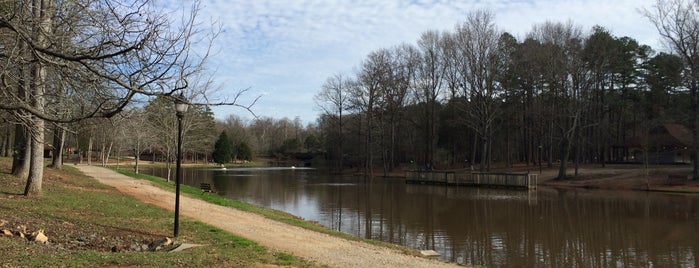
[[181, 108]]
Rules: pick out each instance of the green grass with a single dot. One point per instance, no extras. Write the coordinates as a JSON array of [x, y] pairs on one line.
[[266, 212], [74, 207]]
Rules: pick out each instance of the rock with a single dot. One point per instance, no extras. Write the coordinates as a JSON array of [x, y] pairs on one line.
[[158, 245], [6, 232], [39, 236], [185, 246], [20, 234], [118, 248], [429, 253]]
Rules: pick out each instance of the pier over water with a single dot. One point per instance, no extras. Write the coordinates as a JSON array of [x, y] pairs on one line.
[[469, 178]]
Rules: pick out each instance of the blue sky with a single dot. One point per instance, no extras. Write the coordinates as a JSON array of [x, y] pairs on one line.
[[283, 50]]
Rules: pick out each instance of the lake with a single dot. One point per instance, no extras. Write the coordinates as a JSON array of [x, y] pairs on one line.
[[479, 226]]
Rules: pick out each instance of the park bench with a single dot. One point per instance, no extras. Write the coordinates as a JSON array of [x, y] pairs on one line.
[[206, 188]]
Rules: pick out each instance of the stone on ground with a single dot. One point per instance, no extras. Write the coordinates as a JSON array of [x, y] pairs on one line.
[[39, 236]]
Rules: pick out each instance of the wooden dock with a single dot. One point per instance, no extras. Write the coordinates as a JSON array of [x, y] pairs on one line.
[[468, 178]]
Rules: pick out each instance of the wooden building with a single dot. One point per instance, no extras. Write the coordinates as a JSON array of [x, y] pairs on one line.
[[665, 144]]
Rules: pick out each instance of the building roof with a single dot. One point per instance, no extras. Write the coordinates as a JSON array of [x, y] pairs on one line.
[[664, 135]]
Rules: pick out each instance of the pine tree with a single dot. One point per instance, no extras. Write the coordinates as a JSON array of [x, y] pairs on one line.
[[244, 151], [222, 149]]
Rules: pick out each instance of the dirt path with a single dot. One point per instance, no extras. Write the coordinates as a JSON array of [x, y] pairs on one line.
[[313, 246]]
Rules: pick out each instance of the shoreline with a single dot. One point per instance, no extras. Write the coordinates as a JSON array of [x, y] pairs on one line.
[[630, 177], [625, 177]]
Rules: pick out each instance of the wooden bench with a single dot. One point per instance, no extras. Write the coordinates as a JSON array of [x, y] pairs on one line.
[[206, 188]]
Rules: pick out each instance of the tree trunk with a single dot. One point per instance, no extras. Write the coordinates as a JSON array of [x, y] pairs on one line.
[[6, 142], [474, 150], [103, 152], [549, 157], [59, 135], [36, 164], [22, 152], [169, 169], [578, 154], [369, 165], [137, 155], [392, 149], [36, 161], [89, 150], [484, 155], [137, 158], [168, 163], [508, 158], [106, 151], [565, 150], [77, 148], [694, 91], [341, 144]]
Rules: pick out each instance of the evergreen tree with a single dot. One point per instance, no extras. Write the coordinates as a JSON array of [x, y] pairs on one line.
[[244, 151], [222, 149]]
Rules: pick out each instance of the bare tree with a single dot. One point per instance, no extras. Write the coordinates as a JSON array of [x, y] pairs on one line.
[[365, 95], [59, 136], [566, 82], [402, 63], [478, 40], [42, 15], [333, 100], [427, 89], [135, 134], [162, 124]]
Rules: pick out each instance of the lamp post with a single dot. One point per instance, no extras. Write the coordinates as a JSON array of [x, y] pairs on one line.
[[181, 108]]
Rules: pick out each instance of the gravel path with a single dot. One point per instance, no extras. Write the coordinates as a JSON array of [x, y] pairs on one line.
[[316, 247]]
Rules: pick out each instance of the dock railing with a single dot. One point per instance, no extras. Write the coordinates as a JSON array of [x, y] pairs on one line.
[[468, 178]]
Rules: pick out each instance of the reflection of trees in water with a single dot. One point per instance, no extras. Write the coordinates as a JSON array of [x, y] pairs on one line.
[[571, 228], [564, 228], [493, 227]]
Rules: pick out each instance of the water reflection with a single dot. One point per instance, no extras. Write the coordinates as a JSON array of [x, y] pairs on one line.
[[493, 227]]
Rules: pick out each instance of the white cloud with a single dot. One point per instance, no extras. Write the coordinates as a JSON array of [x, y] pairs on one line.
[[287, 48]]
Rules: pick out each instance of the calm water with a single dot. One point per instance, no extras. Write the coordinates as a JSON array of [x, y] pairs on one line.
[[492, 227]]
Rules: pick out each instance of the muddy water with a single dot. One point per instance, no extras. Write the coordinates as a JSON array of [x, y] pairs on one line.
[[492, 227]]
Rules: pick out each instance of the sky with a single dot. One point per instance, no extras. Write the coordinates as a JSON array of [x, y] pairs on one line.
[[282, 51]]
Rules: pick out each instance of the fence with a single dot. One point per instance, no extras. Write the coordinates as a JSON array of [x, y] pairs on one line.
[[467, 178]]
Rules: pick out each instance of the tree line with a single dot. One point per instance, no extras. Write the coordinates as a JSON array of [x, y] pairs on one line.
[[274, 139], [477, 95]]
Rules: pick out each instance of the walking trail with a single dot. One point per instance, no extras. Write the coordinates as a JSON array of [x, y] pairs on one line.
[[317, 247]]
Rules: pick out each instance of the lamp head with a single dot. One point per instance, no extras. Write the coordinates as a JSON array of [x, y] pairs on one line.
[[181, 104]]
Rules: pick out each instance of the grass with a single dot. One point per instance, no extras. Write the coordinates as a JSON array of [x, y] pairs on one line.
[[266, 212], [86, 221]]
